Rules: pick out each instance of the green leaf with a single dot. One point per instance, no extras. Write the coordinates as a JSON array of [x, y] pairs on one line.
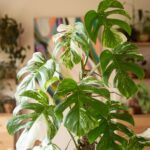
[[39, 96], [136, 69], [66, 86], [118, 106], [137, 143], [124, 129], [15, 123], [122, 24], [126, 86], [79, 114], [52, 129], [107, 134], [37, 69], [119, 12], [31, 106], [123, 116], [92, 24], [93, 86], [105, 4], [95, 107], [50, 82], [84, 109], [94, 134], [79, 122], [75, 43], [111, 38], [117, 60], [101, 19], [62, 106], [27, 120], [100, 91]]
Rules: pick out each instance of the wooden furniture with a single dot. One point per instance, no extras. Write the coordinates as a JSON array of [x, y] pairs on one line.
[[142, 43], [142, 122], [6, 140]]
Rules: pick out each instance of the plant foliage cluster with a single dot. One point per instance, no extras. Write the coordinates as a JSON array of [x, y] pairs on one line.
[[86, 107], [10, 31]]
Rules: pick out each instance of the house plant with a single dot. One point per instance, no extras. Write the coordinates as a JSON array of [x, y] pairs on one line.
[[140, 102], [90, 112], [10, 32]]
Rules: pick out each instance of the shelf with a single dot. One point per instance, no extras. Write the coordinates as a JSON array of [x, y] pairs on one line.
[[142, 43], [6, 114]]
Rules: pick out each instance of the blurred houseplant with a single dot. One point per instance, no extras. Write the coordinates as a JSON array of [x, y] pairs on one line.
[[142, 26], [90, 111], [141, 100], [10, 32]]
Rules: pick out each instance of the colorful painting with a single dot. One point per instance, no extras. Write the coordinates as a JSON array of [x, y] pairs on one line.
[[45, 27]]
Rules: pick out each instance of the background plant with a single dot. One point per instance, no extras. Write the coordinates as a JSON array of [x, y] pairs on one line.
[[142, 96], [10, 32], [90, 112]]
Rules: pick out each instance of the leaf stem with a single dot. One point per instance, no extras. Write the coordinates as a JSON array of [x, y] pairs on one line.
[[74, 141], [85, 62], [93, 70], [68, 144]]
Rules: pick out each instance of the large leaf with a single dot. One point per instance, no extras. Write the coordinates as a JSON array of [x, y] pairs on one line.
[[118, 60], [109, 130], [84, 111], [40, 108], [71, 43], [37, 69], [96, 20]]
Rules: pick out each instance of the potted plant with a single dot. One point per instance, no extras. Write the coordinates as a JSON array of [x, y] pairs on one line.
[[10, 31], [141, 100], [143, 26], [90, 111]]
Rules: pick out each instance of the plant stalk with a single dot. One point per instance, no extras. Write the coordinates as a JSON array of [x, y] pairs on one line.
[[73, 139]]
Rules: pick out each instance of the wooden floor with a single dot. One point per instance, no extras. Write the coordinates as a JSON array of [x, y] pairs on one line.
[[6, 140]]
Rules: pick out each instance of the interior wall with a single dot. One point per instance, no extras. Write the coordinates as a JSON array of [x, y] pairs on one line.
[[25, 11]]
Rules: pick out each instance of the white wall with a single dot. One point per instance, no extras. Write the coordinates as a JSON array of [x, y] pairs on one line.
[[25, 10]]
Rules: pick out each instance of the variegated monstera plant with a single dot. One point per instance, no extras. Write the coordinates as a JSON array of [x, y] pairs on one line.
[[92, 117]]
